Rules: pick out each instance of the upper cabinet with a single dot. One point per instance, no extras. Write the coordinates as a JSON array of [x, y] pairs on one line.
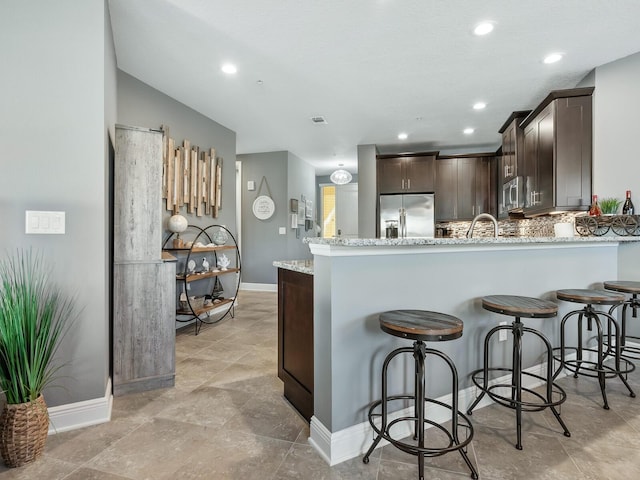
[[465, 187], [557, 153], [406, 174], [512, 145]]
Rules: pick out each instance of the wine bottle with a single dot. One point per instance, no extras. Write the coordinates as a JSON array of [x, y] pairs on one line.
[[595, 210], [627, 208]]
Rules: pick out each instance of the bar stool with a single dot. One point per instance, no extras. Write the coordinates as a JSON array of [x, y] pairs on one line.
[[421, 326], [518, 307], [589, 367], [632, 288]]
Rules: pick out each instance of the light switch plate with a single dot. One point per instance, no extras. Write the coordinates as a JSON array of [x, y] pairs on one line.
[[282, 230], [251, 185], [39, 222], [502, 335]]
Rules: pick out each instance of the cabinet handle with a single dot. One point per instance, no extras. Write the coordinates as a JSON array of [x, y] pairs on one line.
[[534, 198], [402, 184], [473, 209], [408, 183]]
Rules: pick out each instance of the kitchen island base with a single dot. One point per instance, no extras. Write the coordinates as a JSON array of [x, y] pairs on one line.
[[355, 280]]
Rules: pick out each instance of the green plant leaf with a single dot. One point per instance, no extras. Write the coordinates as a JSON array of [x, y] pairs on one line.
[[34, 317], [609, 205]]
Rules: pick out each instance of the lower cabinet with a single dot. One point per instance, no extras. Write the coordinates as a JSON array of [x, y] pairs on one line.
[[295, 338]]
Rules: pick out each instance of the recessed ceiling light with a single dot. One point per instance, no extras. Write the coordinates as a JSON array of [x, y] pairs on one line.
[[483, 28], [468, 131], [553, 58], [402, 136], [229, 68], [479, 105]]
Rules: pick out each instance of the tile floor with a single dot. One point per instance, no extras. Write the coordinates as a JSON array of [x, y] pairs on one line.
[[226, 419]]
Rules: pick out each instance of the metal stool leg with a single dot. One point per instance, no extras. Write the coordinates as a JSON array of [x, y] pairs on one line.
[[517, 375], [601, 374], [579, 350], [618, 351], [485, 380], [454, 410], [550, 377], [384, 399], [418, 355]]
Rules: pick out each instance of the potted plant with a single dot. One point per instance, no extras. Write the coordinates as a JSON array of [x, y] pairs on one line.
[[609, 206], [34, 316]]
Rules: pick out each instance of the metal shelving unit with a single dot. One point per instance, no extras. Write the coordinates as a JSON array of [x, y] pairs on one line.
[[195, 307]]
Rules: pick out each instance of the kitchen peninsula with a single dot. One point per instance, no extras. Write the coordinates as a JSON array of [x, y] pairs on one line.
[[356, 279]]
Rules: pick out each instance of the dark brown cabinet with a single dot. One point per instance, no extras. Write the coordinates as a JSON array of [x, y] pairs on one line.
[[557, 153], [465, 187], [512, 146], [406, 174], [295, 338]]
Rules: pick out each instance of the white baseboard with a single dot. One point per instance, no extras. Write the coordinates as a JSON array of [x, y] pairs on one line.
[[81, 414], [351, 442], [259, 287]]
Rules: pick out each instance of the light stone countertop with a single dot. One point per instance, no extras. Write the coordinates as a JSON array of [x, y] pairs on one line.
[[301, 266], [372, 242]]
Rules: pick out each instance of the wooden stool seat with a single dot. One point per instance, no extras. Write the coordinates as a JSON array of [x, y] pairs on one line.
[[623, 286], [591, 297], [518, 306], [421, 325]]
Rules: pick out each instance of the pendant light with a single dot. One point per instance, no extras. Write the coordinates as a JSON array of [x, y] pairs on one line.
[[340, 176]]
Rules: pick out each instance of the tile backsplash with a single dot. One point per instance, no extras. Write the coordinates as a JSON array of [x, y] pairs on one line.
[[525, 227]]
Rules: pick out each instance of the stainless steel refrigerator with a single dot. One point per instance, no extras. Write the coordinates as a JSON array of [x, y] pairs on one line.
[[413, 214]]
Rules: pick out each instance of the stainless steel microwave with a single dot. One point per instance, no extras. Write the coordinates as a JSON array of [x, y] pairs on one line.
[[513, 195]]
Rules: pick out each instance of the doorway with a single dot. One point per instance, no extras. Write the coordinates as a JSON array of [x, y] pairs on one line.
[[339, 210]]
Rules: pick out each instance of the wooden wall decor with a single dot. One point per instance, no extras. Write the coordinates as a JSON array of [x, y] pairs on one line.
[[191, 177]]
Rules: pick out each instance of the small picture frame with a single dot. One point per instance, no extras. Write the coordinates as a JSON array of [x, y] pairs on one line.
[[293, 205], [309, 209], [301, 209]]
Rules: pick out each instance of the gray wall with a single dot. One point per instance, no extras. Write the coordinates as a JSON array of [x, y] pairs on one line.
[[616, 101], [141, 105], [351, 291], [301, 180], [261, 243], [58, 84], [288, 177], [367, 191]]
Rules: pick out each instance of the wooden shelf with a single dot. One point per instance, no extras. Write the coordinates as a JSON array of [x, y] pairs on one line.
[[208, 308], [193, 277]]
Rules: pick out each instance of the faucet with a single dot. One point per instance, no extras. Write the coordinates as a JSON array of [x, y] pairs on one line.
[[488, 216]]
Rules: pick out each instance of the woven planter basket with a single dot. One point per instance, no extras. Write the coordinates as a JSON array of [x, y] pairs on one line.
[[23, 432]]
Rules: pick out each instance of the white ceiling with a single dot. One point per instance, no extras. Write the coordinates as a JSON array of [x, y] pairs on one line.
[[372, 68]]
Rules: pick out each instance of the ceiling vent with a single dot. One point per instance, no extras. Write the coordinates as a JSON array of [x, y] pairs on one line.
[[319, 120]]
